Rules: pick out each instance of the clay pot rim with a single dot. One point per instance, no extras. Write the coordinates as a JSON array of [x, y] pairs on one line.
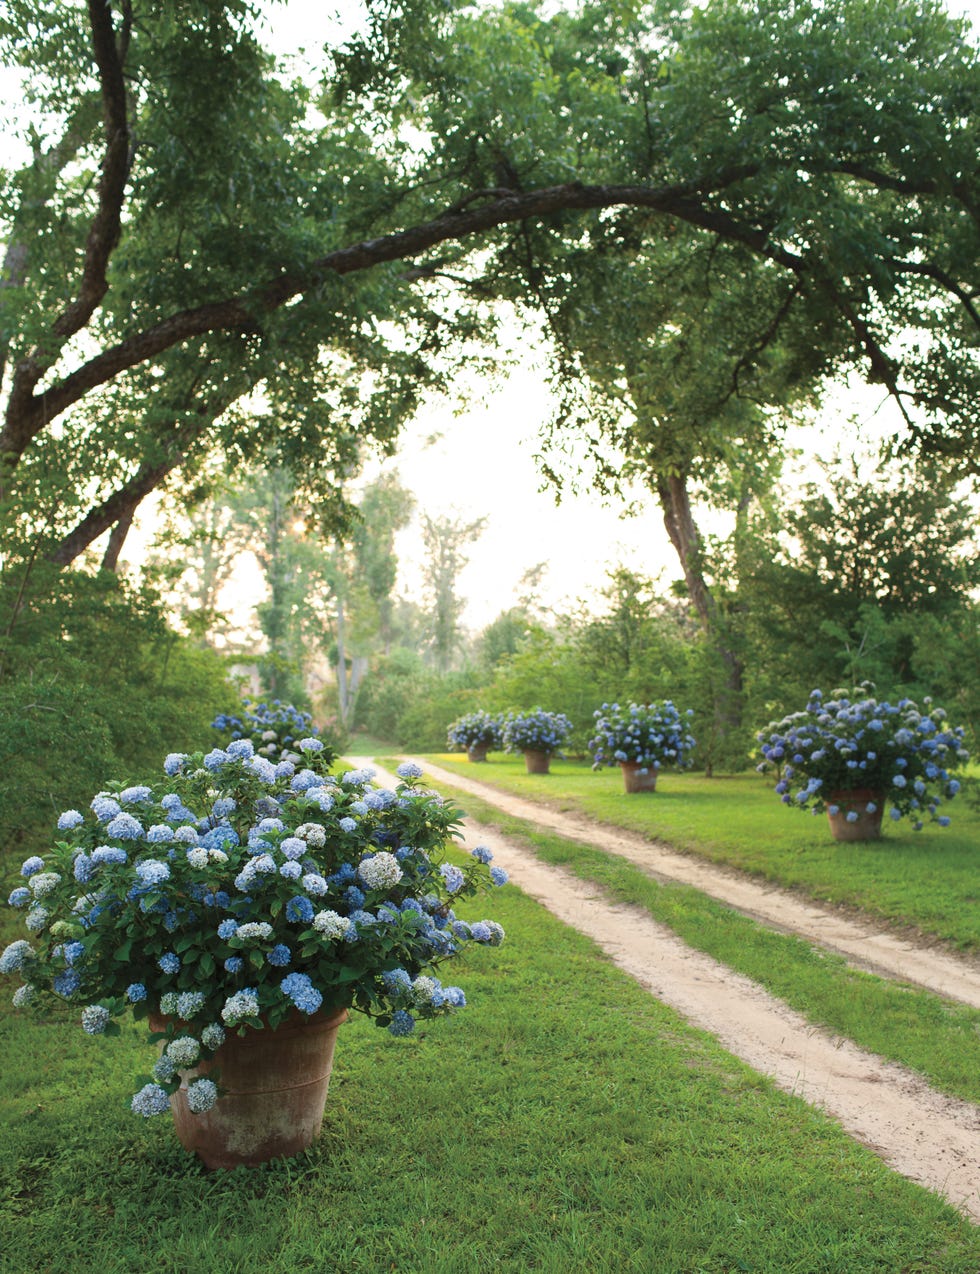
[[295, 1021]]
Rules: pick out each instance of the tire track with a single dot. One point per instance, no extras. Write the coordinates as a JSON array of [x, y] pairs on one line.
[[932, 1139], [863, 945]]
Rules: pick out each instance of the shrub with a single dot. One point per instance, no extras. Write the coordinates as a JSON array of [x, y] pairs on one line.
[[846, 744], [651, 735], [273, 729], [93, 682], [474, 729], [237, 892], [536, 731]]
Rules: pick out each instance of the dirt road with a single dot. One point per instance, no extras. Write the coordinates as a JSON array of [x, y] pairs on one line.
[[931, 1139]]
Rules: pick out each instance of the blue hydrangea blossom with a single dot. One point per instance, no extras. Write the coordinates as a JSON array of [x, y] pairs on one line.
[[882, 752], [235, 893]]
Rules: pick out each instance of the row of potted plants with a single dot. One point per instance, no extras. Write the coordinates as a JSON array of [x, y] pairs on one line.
[[243, 906], [642, 738], [850, 754]]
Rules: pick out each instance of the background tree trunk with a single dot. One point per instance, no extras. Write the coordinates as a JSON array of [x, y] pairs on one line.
[[675, 500]]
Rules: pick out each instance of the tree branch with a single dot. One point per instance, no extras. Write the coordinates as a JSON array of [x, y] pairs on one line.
[[26, 418], [882, 367], [905, 186], [105, 227], [104, 231], [117, 507], [967, 299], [767, 337]]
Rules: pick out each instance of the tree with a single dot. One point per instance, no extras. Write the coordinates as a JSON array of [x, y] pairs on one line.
[[681, 363], [187, 229], [383, 510], [367, 571], [197, 559], [333, 595], [444, 538], [868, 579]]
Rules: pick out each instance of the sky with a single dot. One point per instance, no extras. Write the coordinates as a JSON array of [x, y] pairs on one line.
[[479, 464]]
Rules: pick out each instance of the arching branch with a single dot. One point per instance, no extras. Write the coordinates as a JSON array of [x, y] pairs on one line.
[[27, 418]]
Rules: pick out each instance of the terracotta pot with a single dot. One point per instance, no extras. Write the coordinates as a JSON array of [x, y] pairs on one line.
[[537, 762], [275, 1088], [866, 826], [477, 751], [637, 778]]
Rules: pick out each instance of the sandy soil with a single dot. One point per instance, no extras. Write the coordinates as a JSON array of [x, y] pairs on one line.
[[929, 1138], [860, 942]]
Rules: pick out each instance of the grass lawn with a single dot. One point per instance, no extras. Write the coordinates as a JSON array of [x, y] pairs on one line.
[[564, 1121], [938, 1038], [928, 881]]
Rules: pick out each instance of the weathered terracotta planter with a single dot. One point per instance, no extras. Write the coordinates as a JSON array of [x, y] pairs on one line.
[[477, 751], [275, 1086], [537, 762], [866, 826], [639, 778]]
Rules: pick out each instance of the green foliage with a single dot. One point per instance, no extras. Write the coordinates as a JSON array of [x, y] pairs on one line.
[[503, 637], [93, 684], [546, 670], [866, 581], [412, 705], [802, 173], [904, 540], [444, 539]]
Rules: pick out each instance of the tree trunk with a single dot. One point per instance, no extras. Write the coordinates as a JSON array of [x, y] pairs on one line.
[[675, 500], [341, 661], [117, 538]]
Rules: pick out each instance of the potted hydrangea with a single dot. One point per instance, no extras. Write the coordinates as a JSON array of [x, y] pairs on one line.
[[272, 728], [641, 739], [538, 734], [476, 734], [852, 754], [241, 908]]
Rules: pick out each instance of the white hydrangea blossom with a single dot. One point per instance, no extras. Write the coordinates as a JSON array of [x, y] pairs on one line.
[[257, 929], [380, 871], [331, 924]]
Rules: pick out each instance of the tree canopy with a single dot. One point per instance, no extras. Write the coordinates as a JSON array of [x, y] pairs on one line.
[[192, 226]]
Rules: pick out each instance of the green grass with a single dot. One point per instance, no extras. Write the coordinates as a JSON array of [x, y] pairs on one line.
[[564, 1121], [936, 1037], [928, 881], [364, 744]]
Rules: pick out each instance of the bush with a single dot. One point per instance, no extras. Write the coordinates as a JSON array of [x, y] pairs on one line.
[[475, 729], [536, 731], [274, 730], [856, 743], [93, 683], [652, 735], [409, 705]]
